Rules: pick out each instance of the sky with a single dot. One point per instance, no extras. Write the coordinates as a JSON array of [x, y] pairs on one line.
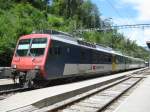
[[123, 12]]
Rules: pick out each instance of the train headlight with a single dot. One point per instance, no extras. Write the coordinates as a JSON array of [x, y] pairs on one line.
[[14, 66], [37, 67]]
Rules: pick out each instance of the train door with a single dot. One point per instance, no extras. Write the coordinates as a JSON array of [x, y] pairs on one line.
[[56, 59]]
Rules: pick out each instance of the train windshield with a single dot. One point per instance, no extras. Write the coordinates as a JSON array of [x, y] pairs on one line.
[[38, 46], [23, 47], [31, 47]]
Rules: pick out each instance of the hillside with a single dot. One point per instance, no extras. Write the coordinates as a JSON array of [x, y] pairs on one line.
[[20, 17]]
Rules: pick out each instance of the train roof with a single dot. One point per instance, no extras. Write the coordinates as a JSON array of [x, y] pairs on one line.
[[68, 38], [81, 43]]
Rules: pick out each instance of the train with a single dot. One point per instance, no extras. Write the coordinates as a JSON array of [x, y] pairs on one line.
[[48, 54]]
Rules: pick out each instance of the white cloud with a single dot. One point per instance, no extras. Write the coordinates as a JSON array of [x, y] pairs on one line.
[[142, 7], [136, 34], [147, 32], [143, 16]]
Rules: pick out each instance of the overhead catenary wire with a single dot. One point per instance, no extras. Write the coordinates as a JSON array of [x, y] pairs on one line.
[[120, 15], [116, 10]]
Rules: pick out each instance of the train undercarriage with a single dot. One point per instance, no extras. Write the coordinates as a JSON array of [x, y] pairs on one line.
[[29, 79], [33, 79]]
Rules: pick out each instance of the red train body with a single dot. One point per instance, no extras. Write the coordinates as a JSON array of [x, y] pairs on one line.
[[25, 60], [29, 62]]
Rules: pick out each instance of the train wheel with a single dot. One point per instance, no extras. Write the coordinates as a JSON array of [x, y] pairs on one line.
[[26, 79], [32, 80], [31, 84], [21, 81], [28, 84], [22, 78]]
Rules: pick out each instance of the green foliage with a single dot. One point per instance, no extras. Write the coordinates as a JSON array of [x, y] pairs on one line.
[[81, 11], [55, 21], [20, 17], [19, 20]]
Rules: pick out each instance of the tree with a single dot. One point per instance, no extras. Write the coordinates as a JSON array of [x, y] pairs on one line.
[[20, 17]]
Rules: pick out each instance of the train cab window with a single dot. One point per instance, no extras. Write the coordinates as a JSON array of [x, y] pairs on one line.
[[38, 46], [23, 47]]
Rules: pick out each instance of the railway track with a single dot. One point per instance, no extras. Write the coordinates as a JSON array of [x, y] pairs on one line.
[[19, 89], [6, 93], [95, 101], [99, 100], [10, 89], [8, 86]]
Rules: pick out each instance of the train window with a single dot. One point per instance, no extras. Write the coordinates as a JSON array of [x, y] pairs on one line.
[[104, 58], [56, 48], [100, 58], [22, 52], [119, 59], [109, 59], [68, 50], [83, 55], [38, 46], [23, 47], [94, 58], [55, 51], [36, 51]]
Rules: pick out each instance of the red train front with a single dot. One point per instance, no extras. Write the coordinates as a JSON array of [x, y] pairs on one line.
[[29, 57]]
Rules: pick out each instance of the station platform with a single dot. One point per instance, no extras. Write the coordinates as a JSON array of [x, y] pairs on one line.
[[139, 100]]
